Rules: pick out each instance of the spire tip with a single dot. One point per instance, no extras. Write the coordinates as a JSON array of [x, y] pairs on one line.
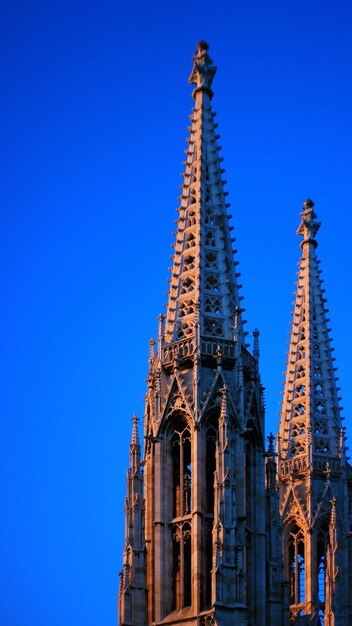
[[203, 70], [309, 225]]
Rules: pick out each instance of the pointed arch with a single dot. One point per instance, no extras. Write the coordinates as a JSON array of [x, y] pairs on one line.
[[296, 562], [179, 435], [322, 545]]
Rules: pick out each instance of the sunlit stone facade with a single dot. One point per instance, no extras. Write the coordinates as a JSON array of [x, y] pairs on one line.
[[219, 529]]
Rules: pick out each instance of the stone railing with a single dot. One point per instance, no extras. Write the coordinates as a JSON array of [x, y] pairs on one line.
[[179, 350], [298, 464], [210, 347], [322, 462]]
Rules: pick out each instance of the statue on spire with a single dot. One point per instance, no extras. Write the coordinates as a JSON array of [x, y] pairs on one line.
[[309, 226], [203, 70]]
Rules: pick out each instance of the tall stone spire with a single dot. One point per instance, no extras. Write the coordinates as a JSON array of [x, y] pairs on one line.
[[313, 472], [311, 427], [203, 286], [204, 416]]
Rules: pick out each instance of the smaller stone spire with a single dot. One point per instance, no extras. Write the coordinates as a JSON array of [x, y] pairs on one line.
[[310, 418], [203, 70], [309, 225]]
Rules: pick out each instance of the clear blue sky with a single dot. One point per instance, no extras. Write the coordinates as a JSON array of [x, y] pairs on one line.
[[94, 112]]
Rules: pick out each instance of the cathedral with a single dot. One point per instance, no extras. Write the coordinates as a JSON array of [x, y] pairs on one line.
[[221, 528]]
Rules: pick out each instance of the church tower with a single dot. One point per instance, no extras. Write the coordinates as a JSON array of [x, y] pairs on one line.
[[314, 476], [196, 547]]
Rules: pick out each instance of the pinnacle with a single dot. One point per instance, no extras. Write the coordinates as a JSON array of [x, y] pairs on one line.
[[135, 436], [310, 401]]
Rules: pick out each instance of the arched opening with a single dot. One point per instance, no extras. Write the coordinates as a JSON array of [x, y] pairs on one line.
[[322, 543], [181, 469], [296, 564], [181, 525], [182, 565], [211, 437], [250, 509]]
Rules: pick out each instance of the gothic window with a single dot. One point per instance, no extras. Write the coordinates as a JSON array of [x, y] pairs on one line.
[[317, 371], [181, 469], [316, 351], [322, 543], [212, 305], [300, 389], [302, 334], [320, 408], [321, 446], [298, 410], [298, 429], [211, 437], [301, 353], [186, 308], [188, 263], [210, 239], [296, 564], [192, 199], [191, 219], [210, 218], [211, 261], [182, 565], [209, 562], [248, 481], [190, 241], [212, 284], [187, 285], [318, 390], [297, 447], [213, 327], [184, 329], [321, 427], [300, 371]]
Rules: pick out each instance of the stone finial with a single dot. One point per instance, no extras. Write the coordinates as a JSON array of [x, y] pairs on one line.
[[151, 349], [271, 439], [256, 352], [203, 70], [135, 437], [309, 225]]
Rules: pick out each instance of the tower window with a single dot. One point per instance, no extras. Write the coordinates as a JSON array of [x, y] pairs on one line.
[[182, 565], [181, 507], [322, 543], [296, 562], [211, 261], [210, 239], [181, 469]]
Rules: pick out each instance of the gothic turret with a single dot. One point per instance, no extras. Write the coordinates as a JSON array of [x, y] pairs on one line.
[[132, 592], [313, 472]]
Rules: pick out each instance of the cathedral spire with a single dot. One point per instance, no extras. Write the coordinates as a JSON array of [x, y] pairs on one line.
[[310, 422], [203, 286]]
